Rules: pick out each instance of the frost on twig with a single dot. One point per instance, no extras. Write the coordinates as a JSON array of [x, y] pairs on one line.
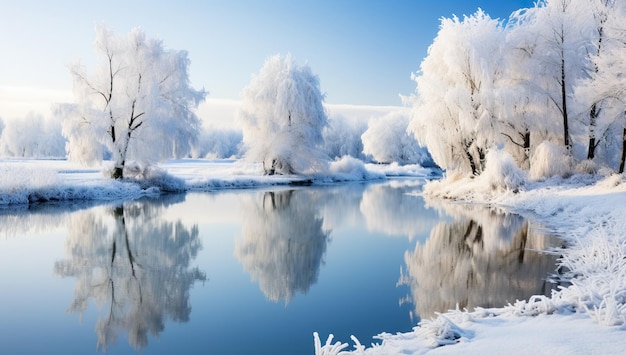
[[337, 348]]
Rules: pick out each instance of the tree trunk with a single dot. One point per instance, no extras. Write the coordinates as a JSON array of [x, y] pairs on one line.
[[593, 114], [471, 162], [566, 141], [118, 173], [621, 164], [527, 149]]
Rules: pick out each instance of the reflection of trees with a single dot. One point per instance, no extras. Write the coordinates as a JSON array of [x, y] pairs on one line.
[[485, 260], [283, 242], [407, 216], [37, 217], [135, 266]]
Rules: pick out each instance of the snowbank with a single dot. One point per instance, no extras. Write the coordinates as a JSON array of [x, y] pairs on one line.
[[29, 181], [589, 316]]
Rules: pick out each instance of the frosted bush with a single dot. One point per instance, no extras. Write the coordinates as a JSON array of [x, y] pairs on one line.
[[387, 140], [550, 160], [150, 176], [349, 168], [588, 167], [501, 172]]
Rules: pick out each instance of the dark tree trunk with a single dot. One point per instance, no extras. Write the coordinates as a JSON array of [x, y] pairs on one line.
[[527, 143], [621, 164], [566, 141], [118, 173], [593, 115], [471, 162]]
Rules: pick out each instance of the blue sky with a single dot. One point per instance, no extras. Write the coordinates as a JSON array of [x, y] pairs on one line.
[[363, 51]]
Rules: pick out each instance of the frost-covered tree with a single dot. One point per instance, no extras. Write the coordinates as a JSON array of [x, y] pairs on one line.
[[603, 92], [453, 113], [520, 110], [32, 136], [282, 117], [560, 29], [138, 103], [342, 137], [217, 144], [387, 141]]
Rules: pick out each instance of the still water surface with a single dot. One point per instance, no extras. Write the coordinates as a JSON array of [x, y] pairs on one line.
[[254, 271]]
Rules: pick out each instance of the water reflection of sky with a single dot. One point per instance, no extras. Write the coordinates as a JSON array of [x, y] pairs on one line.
[[278, 265]]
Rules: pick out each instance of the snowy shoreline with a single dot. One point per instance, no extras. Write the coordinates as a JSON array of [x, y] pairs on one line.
[[588, 212], [27, 181]]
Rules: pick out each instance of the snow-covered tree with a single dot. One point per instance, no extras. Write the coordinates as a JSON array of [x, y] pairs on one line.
[[217, 144], [342, 137], [387, 141], [603, 92], [32, 136], [138, 103], [282, 117], [560, 29], [453, 113]]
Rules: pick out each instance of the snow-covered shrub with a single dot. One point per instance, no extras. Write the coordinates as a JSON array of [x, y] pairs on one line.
[[387, 140], [349, 168], [588, 167], [501, 172], [550, 160], [151, 176]]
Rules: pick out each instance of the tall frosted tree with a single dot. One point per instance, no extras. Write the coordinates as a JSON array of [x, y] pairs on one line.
[[453, 113], [137, 104], [561, 31], [605, 86], [282, 118]]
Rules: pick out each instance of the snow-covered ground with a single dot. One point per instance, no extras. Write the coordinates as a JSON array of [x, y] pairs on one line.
[[588, 212]]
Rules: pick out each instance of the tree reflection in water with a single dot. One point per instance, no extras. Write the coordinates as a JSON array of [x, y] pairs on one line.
[[283, 242], [484, 258], [134, 265]]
